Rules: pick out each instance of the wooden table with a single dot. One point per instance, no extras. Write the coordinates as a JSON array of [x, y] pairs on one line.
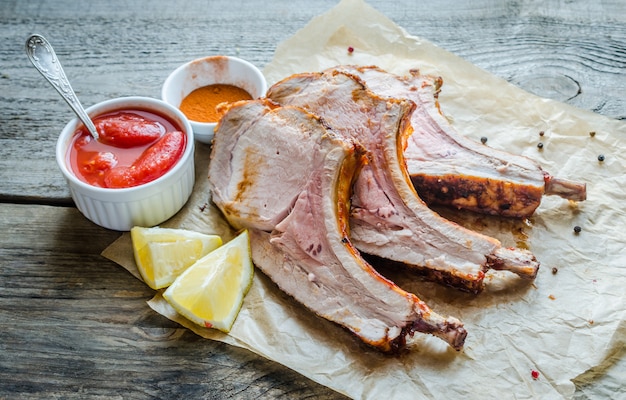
[[75, 325]]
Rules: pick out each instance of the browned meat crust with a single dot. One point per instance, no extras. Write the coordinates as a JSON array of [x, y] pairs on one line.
[[487, 196], [449, 169]]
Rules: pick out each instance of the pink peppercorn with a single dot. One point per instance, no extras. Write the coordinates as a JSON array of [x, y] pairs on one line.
[[350, 49], [534, 374]]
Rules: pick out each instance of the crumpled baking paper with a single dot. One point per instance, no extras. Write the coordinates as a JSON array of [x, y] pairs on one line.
[[569, 324]]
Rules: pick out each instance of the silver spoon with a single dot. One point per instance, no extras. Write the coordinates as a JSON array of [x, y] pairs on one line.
[[43, 57]]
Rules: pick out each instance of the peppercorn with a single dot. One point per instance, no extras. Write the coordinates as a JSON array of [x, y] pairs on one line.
[[350, 49], [554, 270], [534, 374], [601, 157], [540, 145], [483, 139], [592, 133], [541, 133], [577, 229]]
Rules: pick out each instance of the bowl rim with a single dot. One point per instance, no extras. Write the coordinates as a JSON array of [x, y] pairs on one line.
[[168, 81], [119, 103]]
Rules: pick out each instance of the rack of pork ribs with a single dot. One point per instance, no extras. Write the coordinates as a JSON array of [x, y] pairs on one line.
[[335, 164]]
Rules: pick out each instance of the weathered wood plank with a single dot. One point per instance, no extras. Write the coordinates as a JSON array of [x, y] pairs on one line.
[[573, 52], [75, 325]]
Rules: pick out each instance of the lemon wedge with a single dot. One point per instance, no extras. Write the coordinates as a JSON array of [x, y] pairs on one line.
[[161, 254], [211, 292]]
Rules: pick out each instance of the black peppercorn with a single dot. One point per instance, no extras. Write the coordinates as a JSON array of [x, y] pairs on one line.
[[540, 145], [554, 270], [577, 229], [541, 133], [483, 139], [592, 133], [601, 157]]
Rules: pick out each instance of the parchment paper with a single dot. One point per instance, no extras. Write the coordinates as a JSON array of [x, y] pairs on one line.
[[564, 324]]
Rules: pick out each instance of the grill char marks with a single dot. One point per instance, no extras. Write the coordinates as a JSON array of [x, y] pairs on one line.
[[388, 219], [449, 169], [288, 178]]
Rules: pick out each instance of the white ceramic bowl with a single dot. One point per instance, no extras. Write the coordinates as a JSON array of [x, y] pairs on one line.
[[145, 205], [208, 71]]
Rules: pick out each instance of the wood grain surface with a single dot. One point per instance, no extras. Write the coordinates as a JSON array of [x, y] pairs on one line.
[[73, 324]]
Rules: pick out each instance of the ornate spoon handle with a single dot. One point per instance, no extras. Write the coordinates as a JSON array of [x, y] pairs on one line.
[[43, 57]]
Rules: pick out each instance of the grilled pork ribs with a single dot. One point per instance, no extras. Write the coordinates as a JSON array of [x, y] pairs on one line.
[[285, 175], [388, 219], [345, 162]]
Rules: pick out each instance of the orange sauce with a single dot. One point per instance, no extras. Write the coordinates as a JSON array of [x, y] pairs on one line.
[[201, 104]]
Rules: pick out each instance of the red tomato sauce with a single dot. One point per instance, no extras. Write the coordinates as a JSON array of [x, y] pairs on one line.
[[135, 147]]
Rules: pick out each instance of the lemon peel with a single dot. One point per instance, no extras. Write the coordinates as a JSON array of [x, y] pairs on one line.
[[161, 254], [210, 293]]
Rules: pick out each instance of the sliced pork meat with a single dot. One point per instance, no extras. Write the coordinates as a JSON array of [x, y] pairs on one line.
[[287, 177], [450, 169], [387, 218]]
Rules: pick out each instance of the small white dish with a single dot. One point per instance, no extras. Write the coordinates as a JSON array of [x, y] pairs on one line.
[[145, 205], [209, 71]]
